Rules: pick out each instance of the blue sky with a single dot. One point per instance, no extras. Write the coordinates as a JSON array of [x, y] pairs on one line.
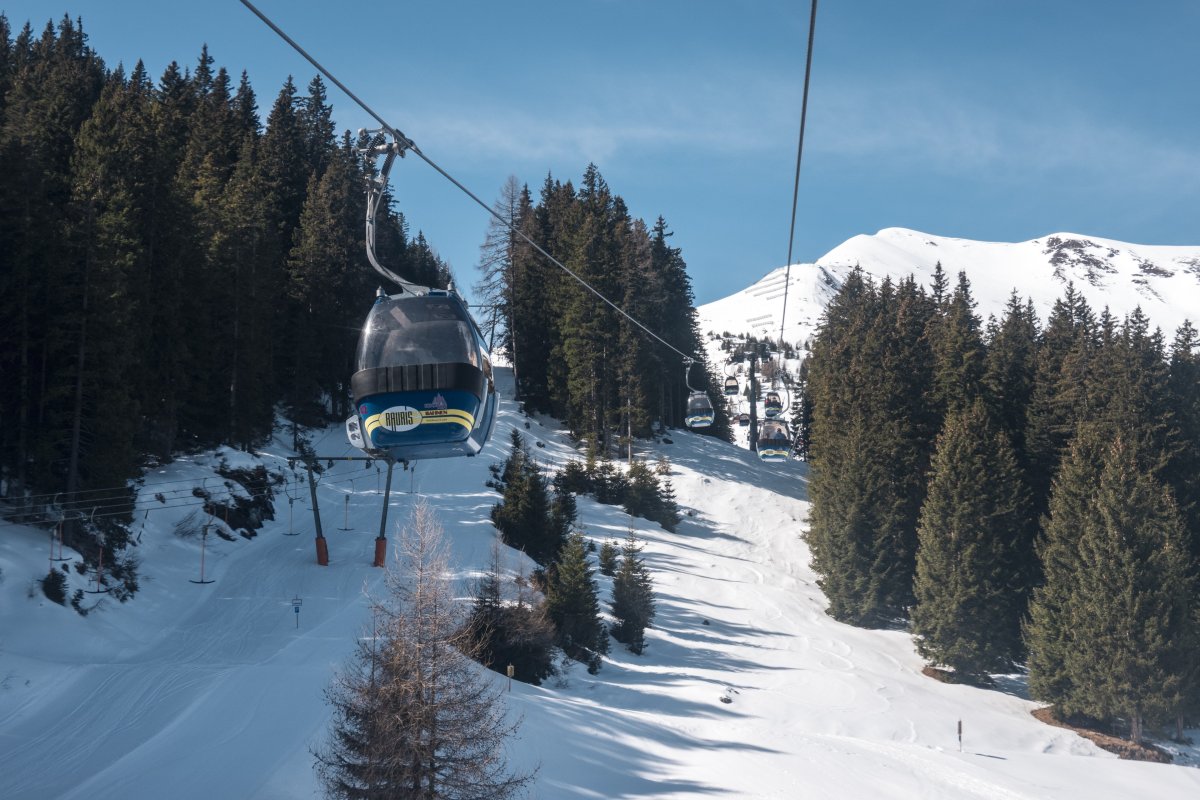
[[1000, 120]]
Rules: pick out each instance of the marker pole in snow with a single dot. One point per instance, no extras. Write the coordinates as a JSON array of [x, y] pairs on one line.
[[960, 736], [346, 510]]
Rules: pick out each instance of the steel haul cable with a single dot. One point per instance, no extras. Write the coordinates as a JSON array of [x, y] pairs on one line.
[[409, 144], [812, 26]]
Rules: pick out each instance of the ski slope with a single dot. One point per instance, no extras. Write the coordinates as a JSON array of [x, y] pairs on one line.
[[215, 690]]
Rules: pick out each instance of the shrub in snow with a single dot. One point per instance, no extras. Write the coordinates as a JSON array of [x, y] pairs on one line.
[[54, 586], [609, 558]]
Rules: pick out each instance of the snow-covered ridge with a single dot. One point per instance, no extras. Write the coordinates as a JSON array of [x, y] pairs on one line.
[[1164, 281]]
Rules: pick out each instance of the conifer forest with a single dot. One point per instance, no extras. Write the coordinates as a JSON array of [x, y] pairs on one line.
[[1018, 493], [180, 271]]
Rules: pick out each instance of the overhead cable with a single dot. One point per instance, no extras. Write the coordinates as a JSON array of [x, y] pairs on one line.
[[409, 144], [812, 26]]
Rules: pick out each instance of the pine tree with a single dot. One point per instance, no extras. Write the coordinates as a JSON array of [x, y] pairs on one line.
[[108, 199], [1057, 402], [526, 517], [1111, 632], [412, 716], [572, 604], [55, 81], [957, 351], [609, 558], [322, 267], [1009, 371], [1184, 393], [535, 282], [974, 544], [633, 597], [871, 444]]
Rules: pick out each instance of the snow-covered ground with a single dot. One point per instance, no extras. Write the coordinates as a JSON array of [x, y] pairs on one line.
[[215, 690], [1163, 281]]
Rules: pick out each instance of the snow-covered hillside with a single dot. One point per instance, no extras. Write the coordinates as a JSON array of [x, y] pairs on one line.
[[214, 690], [1163, 281]]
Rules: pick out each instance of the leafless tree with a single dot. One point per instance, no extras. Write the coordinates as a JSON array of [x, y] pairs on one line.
[[414, 718]]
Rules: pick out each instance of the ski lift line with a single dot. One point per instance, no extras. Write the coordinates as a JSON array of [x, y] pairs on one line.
[[130, 507], [408, 144], [197, 503], [812, 25], [89, 492]]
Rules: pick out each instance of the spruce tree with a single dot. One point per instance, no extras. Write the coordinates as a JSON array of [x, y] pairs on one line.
[[958, 351], [1111, 632], [1180, 473], [1009, 371], [1057, 402], [633, 597], [526, 517], [573, 605], [971, 583]]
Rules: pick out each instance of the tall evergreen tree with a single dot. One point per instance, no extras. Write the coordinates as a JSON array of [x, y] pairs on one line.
[[109, 194], [573, 606], [323, 264], [957, 351], [55, 80], [526, 517], [972, 581], [1058, 402], [1110, 631], [1183, 386], [633, 597], [1009, 370]]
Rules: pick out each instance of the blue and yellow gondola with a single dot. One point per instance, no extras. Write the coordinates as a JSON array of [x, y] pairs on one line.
[[423, 386]]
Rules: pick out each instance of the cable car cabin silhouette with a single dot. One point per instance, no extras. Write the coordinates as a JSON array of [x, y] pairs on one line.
[[699, 411], [772, 406], [743, 420], [423, 386], [773, 441], [731, 386]]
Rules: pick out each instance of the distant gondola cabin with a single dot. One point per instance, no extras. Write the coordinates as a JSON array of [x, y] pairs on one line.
[[699, 411]]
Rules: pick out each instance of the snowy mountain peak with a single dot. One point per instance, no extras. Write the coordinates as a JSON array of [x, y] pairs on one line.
[[1164, 281]]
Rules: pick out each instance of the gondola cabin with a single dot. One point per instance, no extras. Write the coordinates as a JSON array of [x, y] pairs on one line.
[[423, 386], [699, 411], [774, 444], [772, 405], [731, 387], [743, 420]]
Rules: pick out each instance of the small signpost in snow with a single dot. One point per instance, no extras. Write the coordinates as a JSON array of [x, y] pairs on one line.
[[296, 603], [960, 736]]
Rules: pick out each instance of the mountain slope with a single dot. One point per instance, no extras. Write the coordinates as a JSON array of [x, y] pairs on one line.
[[1163, 281]]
